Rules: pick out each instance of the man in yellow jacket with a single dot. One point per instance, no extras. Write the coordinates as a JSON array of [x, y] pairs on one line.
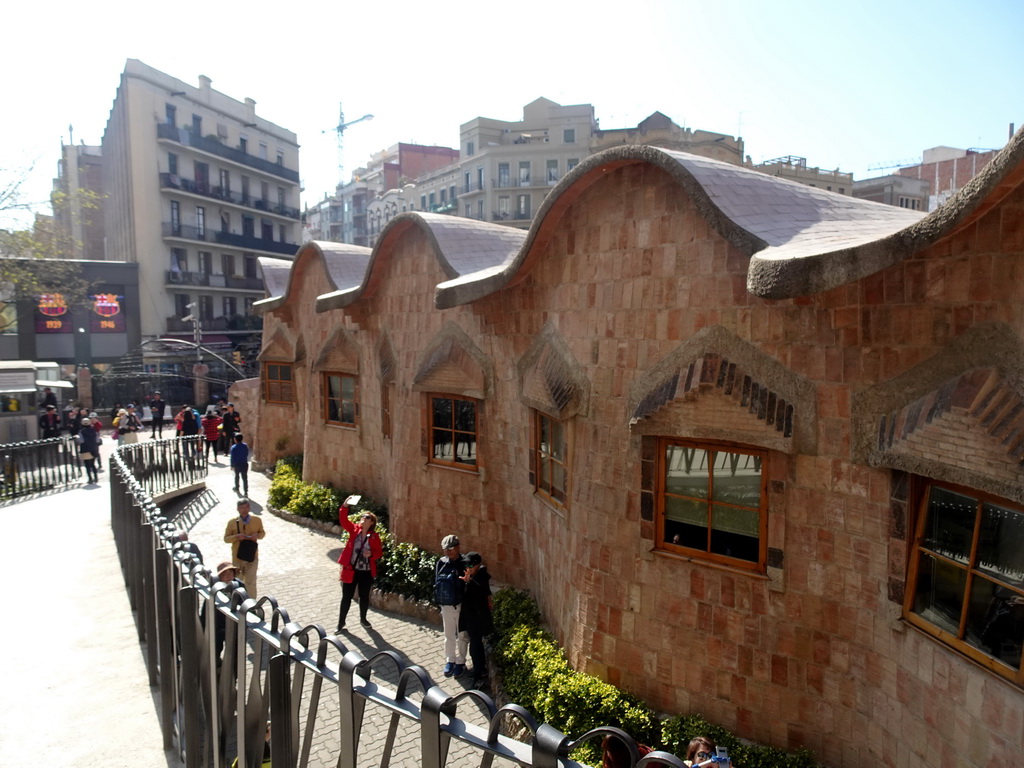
[[243, 533]]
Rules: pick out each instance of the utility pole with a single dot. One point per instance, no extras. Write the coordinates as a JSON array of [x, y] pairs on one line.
[[197, 331]]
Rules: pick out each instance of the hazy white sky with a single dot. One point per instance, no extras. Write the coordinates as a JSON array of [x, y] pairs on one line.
[[848, 85]]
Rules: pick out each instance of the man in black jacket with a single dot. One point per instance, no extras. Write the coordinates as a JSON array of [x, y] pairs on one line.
[[157, 406]]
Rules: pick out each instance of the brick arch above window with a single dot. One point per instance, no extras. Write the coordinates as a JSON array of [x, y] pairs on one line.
[[454, 364], [339, 353], [284, 346], [550, 378], [957, 417], [764, 402]]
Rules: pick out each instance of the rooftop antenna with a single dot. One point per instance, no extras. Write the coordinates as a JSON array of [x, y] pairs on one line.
[[340, 129]]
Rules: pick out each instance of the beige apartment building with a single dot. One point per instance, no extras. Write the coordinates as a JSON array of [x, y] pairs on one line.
[[508, 168], [198, 188]]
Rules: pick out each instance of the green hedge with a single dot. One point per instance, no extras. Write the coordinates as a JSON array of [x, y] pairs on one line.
[[536, 675]]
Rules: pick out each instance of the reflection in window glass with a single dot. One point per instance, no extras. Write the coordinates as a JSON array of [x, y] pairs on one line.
[[340, 399], [967, 576], [453, 431], [551, 457], [712, 501]]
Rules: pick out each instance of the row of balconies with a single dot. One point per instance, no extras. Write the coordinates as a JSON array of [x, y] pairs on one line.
[[213, 146], [510, 216], [176, 277], [245, 242], [173, 181], [224, 323]]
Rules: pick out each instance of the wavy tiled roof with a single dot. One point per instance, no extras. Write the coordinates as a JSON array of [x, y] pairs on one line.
[[801, 240], [345, 267]]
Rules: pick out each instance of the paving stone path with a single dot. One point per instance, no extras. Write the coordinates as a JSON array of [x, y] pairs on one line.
[[298, 567]]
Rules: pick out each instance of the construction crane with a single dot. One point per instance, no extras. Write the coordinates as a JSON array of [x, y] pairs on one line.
[[895, 164], [340, 129]]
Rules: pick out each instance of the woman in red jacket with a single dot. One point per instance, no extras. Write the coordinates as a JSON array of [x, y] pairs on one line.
[[358, 563]]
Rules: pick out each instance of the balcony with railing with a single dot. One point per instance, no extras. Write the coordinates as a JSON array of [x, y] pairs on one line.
[[213, 146], [245, 242], [204, 279], [173, 181], [217, 324]]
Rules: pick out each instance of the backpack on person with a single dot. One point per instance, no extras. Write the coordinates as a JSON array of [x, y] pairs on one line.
[[448, 587]]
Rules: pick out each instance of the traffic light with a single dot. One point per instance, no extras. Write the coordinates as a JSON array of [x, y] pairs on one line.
[[236, 358]]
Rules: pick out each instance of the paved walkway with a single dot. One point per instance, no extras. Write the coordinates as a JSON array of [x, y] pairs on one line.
[[71, 655]]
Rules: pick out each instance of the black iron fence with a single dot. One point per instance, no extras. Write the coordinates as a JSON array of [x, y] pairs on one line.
[[226, 664], [38, 465]]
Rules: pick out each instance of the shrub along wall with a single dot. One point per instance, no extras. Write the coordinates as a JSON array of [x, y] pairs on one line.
[[535, 672]]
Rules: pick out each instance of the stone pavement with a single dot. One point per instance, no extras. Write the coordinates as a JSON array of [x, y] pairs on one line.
[[299, 568]]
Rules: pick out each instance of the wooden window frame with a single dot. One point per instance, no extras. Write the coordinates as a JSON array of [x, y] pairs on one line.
[[916, 553], [432, 429], [544, 461], [277, 389], [757, 566], [326, 377]]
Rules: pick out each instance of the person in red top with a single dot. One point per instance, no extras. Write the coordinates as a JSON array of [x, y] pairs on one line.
[[358, 561], [211, 422]]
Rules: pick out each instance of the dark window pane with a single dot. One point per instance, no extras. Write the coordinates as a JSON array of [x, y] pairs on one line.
[[465, 415], [735, 532], [332, 410], [334, 387], [348, 412], [558, 441], [465, 449], [995, 621], [939, 595], [1001, 544], [348, 387], [442, 408], [949, 528], [442, 448], [544, 474]]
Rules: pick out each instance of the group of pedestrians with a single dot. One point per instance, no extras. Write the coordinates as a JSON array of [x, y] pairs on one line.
[[462, 588]]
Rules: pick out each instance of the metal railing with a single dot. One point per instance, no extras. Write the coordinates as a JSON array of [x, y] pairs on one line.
[[222, 681], [174, 181], [38, 465], [214, 146]]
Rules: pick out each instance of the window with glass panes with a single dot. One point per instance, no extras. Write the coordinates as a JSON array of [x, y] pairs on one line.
[[341, 404], [712, 502], [278, 385], [966, 584], [551, 457], [453, 436]]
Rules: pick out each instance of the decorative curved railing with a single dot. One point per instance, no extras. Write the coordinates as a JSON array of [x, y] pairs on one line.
[[326, 701]]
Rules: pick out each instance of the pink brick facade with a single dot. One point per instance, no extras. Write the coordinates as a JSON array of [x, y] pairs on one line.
[[626, 282]]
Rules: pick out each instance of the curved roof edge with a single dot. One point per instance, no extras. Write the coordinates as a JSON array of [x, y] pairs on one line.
[[344, 266], [464, 248], [778, 273]]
